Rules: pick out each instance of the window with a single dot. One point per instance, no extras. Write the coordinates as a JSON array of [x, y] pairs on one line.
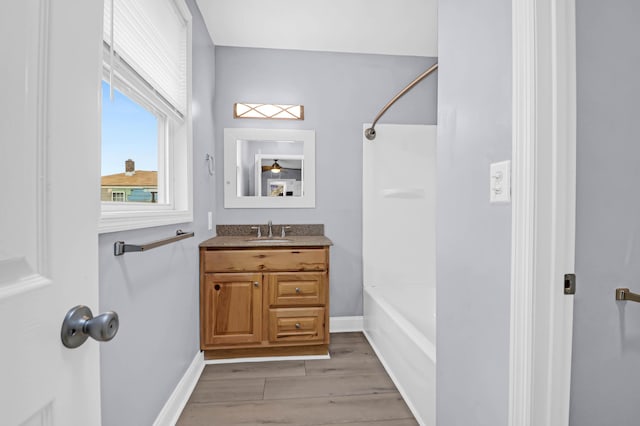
[[146, 114], [131, 140]]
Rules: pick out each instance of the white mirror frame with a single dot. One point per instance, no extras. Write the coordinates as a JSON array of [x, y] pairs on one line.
[[231, 198]]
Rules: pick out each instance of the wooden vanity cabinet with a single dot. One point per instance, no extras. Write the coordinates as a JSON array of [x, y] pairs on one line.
[[264, 302]]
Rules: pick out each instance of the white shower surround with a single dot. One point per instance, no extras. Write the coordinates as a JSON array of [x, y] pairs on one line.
[[399, 259]]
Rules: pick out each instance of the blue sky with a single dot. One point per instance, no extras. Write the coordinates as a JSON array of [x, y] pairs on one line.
[[128, 131]]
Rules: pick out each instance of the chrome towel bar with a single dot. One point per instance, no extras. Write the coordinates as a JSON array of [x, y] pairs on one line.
[[120, 248], [625, 294]]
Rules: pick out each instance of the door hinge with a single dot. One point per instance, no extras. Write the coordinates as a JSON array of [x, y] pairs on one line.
[[569, 283]]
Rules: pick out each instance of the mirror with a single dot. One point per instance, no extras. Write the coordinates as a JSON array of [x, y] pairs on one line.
[[269, 168]]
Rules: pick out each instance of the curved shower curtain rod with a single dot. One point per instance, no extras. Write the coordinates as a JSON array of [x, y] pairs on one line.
[[370, 133]]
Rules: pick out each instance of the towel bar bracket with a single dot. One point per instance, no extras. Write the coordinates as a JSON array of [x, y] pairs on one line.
[[625, 294], [120, 248]]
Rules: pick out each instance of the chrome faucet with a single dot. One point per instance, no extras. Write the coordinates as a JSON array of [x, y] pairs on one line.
[[270, 230]]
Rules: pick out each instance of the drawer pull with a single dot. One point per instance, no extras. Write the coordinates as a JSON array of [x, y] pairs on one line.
[[256, 284], [297, 290], [298, 325], [217, 287]]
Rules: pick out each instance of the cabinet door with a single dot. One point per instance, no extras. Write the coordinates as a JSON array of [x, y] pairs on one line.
[[297, 288], [232, 309]]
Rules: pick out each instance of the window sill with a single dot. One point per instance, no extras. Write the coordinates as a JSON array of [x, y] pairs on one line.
[[124, 221]]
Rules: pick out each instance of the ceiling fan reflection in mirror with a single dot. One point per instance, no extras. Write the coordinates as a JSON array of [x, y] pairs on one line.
[[286, 165]]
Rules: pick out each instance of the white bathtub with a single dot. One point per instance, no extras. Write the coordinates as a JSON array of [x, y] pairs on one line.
[[405, 343], [398, 258]]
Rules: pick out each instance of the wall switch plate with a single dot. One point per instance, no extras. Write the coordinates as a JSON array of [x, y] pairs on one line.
[[210, 219], [500, 182]]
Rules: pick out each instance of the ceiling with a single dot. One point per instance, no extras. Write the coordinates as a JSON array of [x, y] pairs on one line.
[[390, 27]]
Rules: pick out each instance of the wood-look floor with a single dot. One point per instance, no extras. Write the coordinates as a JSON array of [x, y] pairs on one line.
[[351, 389]]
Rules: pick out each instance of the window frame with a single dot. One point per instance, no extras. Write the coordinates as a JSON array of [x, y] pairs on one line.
[[175, 147], [114, 193], [134, 88]]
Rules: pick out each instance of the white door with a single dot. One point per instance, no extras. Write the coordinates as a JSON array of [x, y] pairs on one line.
[[49, 169]]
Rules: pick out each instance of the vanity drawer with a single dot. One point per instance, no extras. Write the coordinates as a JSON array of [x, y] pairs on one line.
[[292, 259], [296, 325], [297, 289]]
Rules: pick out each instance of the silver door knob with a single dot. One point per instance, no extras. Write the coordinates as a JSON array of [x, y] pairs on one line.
[[79, 324]]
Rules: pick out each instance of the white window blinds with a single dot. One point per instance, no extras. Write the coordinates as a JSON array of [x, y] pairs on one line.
[[151, 37]]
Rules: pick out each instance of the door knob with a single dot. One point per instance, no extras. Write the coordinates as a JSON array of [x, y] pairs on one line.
[[79, 324]]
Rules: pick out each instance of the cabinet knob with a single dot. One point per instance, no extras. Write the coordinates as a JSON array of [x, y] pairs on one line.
[[256, 284], [298, 325], [297, 290]]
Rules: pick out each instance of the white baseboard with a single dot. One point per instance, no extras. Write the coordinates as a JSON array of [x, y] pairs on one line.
[[267, 359], [178, 400], [346, 324]]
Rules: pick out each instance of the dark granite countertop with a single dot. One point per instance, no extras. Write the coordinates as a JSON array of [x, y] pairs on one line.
[[242, 236], [250, 242]]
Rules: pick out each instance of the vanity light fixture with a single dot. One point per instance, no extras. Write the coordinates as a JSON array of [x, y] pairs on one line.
[[275, 167], [268, 111]]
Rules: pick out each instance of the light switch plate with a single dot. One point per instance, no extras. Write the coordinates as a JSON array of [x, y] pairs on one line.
[[500, 182], [210, 220]]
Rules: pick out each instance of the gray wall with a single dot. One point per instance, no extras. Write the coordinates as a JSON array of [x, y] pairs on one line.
[[156, 293], [473, 237], [606, 342], [339, 92]]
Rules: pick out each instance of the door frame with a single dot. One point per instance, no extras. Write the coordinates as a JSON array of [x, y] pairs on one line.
[[543, 210]]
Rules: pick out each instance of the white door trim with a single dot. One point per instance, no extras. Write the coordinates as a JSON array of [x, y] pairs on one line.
[[543, 210]]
